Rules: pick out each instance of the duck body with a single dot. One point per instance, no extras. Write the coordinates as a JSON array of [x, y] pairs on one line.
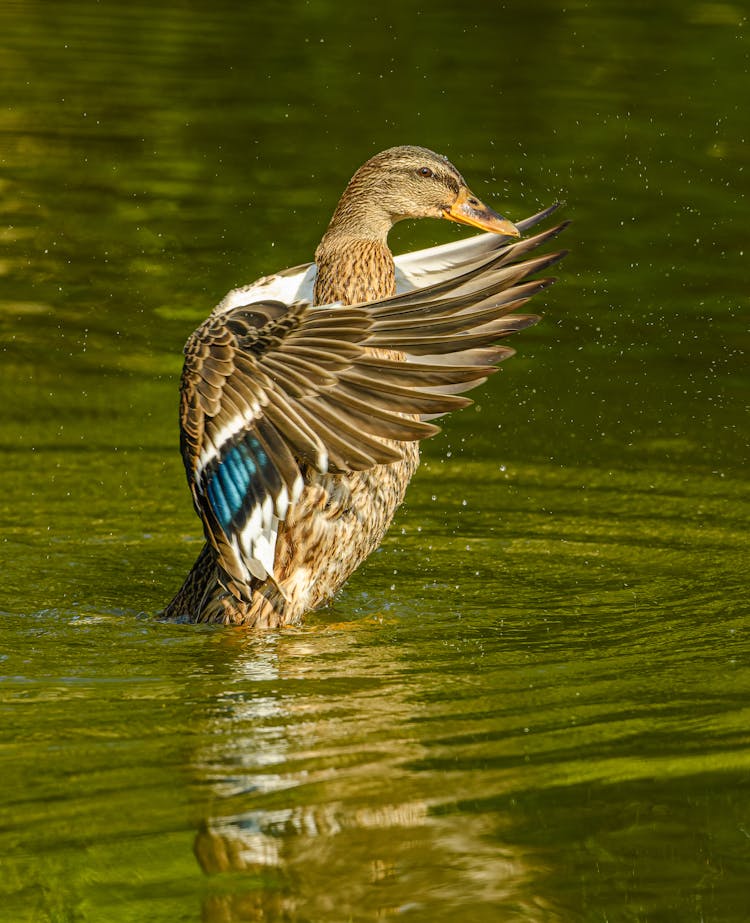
[[304, 395]]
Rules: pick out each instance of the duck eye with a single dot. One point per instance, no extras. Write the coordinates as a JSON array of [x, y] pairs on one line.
[[425, 171]]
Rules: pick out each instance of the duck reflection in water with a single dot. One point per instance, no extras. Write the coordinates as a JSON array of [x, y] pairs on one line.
[[304, 395], [314, 800]]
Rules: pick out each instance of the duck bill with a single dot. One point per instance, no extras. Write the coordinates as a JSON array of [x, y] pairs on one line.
[[467, 209]]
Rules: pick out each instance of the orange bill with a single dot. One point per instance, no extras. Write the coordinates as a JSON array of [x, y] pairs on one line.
[[467, 209]]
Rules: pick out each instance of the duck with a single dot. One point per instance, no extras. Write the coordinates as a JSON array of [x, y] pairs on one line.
[[304, 395]]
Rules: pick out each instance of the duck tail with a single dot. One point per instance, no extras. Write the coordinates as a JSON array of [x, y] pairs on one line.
[[265, 609], [216, 604], [195, 586]]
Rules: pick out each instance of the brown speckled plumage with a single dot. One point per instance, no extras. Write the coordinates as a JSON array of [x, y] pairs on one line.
[[300, 424], [363, 270]]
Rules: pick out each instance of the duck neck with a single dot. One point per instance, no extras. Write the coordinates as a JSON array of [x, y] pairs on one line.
[[354, 261], [353, 272]]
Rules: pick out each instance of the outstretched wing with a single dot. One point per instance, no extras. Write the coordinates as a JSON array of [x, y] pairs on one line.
[[269, 388], [423, 267]]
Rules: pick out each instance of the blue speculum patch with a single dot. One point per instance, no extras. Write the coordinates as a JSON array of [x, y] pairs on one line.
[[239, 468], [230, 489], [219, 503], [257, 450]]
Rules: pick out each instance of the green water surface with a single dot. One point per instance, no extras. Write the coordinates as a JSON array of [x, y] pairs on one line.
[[532, 704]]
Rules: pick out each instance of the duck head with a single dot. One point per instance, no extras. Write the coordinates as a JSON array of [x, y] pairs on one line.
[[410, 182]]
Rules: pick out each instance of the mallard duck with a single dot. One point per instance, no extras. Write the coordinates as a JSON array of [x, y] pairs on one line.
[[304, 395]]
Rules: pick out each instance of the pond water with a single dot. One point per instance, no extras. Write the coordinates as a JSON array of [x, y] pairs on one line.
[[532, 703]]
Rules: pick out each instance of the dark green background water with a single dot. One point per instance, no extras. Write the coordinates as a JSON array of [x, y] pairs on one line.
[[532, 703]]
